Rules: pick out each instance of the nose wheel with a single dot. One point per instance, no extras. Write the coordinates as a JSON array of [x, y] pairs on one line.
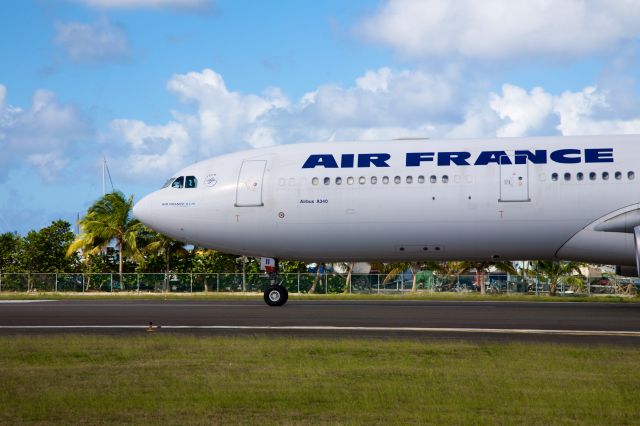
[[276, 295]]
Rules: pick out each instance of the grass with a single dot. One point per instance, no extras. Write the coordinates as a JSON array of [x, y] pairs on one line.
[[295, 296], [177, 379]]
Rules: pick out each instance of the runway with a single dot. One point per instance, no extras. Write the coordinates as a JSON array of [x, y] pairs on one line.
[[501, 321]]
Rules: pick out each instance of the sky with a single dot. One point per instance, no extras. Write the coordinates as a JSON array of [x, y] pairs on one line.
[[154, 85]]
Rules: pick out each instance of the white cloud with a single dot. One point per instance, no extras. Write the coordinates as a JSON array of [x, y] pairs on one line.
[[92, 43], [149, 4], [502, 28], [381, 104], [49, 164], [40, 136], [522, 111], [515, 112], [152, 148]]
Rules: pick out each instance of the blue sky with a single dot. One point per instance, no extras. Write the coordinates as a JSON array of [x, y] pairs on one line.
[[156, 84]]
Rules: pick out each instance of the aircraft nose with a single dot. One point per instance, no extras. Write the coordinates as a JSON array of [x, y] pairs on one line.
[[143, 211]]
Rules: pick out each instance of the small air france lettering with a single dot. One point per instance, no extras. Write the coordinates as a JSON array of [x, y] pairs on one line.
[[463, 158]]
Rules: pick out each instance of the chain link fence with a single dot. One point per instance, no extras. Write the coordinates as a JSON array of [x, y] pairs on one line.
[[305, 283]]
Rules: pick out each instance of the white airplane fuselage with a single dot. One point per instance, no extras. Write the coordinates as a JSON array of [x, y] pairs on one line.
[[571, 198]]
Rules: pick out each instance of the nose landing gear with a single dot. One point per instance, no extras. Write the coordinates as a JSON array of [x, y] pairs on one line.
[[275, 294]]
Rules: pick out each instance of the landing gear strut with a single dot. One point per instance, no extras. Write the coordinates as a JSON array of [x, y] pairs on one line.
[[275, 294]]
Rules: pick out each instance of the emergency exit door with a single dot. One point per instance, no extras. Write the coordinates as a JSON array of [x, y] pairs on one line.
[[249, 189], [514, 179]]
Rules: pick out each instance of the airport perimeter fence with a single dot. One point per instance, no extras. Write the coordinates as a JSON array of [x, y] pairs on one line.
[[304, 283]]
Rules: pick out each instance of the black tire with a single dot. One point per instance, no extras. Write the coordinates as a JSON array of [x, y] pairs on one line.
[[276, 295], [285, 294]]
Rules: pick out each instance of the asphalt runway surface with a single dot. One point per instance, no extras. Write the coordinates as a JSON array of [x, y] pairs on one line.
[[590, 323]]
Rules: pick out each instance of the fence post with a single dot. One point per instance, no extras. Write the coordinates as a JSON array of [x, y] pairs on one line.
[[298, 281], [0, 282], [83, 283], [218, 282], [138, 283], [111, 282], [378, 275], [56, 286], [191, 281]]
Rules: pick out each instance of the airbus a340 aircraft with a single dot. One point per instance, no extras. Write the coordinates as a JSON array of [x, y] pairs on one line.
[[570, 198]]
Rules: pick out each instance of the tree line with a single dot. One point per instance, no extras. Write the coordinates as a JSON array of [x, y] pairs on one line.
[[112, 241]]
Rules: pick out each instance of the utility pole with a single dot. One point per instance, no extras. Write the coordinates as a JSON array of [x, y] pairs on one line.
[[104, 166], [106, 174]]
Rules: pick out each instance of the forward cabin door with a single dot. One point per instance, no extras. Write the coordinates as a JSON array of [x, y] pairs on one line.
[[514, 179], [249, 189]]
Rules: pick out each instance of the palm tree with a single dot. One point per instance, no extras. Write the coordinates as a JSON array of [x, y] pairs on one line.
[[448, 270], [109, 219], [559, 272], [318, 276], [481, 268], [162, 245], [347, 283], [398, 268]]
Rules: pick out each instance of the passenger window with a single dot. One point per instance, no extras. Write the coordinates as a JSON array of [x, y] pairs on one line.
[[433, 179], [191, 182], [350, 180], [409, 179], [592, 176], [327, 181], [362, 180], [605, 175], [580, 176], [554, 177], [631, 175], [385, 179], [315, 181], [397, 179], [445, 179], [567, 176], [178, 183], [618, 175], [338, 181], [374, 180], [420, 179]]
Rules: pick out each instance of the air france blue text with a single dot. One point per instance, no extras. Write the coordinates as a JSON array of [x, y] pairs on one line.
[[463, 158]]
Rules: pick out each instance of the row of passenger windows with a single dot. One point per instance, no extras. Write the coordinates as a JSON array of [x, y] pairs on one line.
[[374, 180], [593, 176], [445, 178], [182, 182]]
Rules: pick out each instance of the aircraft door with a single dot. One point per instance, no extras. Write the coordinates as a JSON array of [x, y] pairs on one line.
[[249, 189], [514, 179]]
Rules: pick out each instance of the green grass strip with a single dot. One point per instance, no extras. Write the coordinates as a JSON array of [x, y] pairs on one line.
[[176, 379]]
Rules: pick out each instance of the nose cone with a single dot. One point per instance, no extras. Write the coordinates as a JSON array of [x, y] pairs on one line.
[[143, 211]]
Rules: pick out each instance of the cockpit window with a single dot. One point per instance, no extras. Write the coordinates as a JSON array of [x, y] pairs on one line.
[[168, 182], [178, 182], [191, 182]]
